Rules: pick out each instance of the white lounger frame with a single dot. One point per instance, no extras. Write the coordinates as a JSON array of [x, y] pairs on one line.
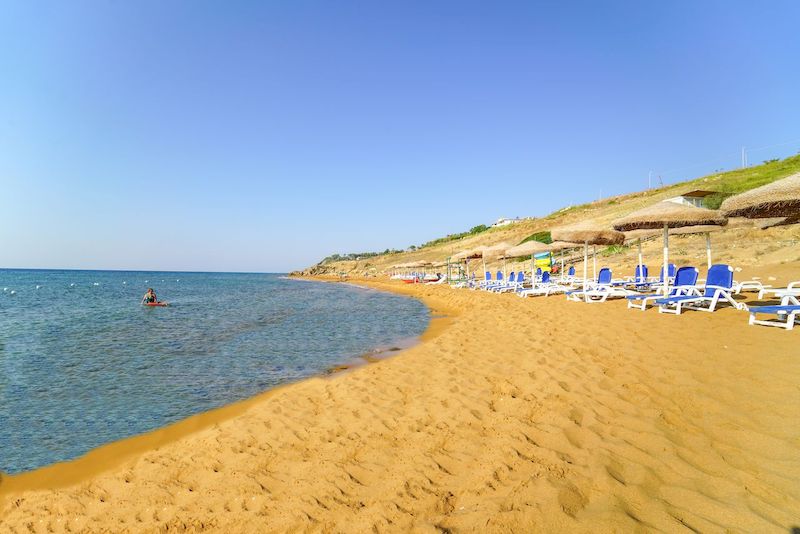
[[702, 303], [789, 319]]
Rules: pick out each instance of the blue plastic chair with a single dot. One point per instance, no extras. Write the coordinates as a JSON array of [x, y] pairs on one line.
[[685, 284], [719, 287]]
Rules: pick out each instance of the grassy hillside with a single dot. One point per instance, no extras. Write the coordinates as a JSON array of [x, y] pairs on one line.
[[602, 211]]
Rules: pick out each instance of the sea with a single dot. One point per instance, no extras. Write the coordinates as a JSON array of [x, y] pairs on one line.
[[83, 363]]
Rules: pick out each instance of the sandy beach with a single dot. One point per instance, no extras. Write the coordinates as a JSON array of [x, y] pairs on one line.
[[510, 415]]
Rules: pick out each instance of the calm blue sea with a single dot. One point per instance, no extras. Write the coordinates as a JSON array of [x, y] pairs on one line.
[[82, 363]]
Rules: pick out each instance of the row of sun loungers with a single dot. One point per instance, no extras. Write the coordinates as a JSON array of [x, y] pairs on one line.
[[641, 291]]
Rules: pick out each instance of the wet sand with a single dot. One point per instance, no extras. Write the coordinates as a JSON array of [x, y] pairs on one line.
[[511, 415]]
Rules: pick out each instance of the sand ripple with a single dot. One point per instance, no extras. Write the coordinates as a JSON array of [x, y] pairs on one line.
[[521, 415]]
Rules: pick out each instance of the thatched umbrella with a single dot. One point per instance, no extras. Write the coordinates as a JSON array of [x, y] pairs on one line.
[[637, 236], [528, 248], [771, 222], [560, 246], [496, 251], [668, 215], [470, 254], [705, 229], [588, 233], [778, 199]]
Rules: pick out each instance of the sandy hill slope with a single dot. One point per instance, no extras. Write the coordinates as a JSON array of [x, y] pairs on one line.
[[753, 243]]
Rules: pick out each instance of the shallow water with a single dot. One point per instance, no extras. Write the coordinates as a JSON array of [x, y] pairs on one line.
[[82, 363]]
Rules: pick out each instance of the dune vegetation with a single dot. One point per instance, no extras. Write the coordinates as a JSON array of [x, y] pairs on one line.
[[537, 228]]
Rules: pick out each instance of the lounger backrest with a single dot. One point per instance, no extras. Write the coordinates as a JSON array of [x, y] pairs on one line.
[[511, 276], [499, 275], [538, 270], [571, 271], [604, 276], [670, 270], [520, 278], [640, 273], [686, 276], [545, 277], [488, 275], [719, 275]]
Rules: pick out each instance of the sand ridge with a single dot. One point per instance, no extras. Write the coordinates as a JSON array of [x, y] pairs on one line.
[[517, 415]]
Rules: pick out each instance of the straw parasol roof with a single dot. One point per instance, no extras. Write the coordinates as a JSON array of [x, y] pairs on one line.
[[496, 250], [670, 214], [697, 229], [470, 254], [555, 246], [778, 199], [776, 221], [526, 249], [769, 222], [633, 235], [590, 232]]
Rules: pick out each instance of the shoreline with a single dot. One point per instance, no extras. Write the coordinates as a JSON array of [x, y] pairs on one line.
[[110, 455], [512, 415]]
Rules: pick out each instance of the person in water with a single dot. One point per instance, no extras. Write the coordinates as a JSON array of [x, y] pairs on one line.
[[149, 297]]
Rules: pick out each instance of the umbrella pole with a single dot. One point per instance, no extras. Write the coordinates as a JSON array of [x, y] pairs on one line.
[[666, 260], [585, 263], [505, 276], [533, 270], [484, 266], [708, 248], [594, 261], [640, 258], [562, 265]]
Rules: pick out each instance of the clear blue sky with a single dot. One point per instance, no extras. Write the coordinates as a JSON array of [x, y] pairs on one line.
[[262, 136]]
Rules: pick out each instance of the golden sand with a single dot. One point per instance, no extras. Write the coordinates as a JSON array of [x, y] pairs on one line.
[[511, 415]]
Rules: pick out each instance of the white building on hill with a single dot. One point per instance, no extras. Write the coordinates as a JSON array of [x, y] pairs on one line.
[[505, 222], [692, 198]]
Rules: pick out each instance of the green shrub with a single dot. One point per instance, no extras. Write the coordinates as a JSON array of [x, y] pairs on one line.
[[613, 249], [542, 237], [478, 229], [713, 202]]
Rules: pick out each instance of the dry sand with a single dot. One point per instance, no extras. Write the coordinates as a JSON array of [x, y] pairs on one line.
[[511, 415]]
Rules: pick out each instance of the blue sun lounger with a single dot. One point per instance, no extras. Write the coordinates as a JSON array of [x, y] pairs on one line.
[[513, 285], [543, 287], [718, 288], [596, 291], [487, 279], [491, 283], [671, 269], [685, 284], [639, 278], [788, 309], [501, 284]]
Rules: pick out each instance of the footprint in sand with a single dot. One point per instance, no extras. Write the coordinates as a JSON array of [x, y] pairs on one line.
[[572, 501], [576, 416]]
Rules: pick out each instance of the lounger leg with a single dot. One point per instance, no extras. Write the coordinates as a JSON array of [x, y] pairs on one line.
[[788, 324]]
